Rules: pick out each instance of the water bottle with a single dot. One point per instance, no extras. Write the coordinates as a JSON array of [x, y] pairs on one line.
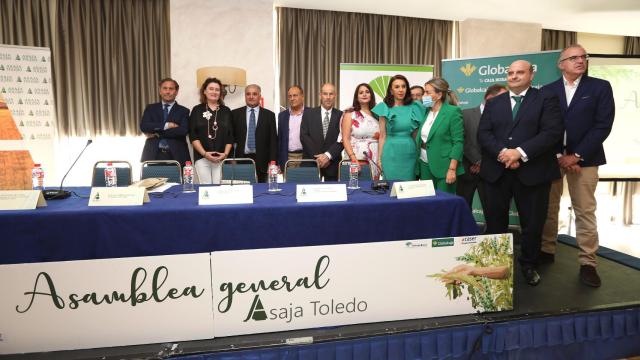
[[110, 176], [273, 176], [37, 177], [354, 169], [187, 178]]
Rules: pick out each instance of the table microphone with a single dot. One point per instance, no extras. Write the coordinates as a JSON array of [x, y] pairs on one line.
[[377, 184], [63, 194]]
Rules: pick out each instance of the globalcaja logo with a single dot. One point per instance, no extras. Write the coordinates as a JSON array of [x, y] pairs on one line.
[[468, 69], [442, 242]]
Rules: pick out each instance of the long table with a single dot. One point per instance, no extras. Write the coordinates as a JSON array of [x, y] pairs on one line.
[[175, 224]]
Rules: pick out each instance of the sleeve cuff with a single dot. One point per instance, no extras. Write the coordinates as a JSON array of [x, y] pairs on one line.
[[524, 157], [328, 155]]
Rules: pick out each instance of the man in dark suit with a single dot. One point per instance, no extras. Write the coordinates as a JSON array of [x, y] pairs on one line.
[[165, 124], [289, 120], [470, 180], [518, 133], [319, 134], [254, 129], [588, 109]]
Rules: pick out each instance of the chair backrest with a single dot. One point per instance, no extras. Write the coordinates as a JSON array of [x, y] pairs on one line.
[[244, 169], [169, 169], [365, 171], [123, 173], [307, 172]]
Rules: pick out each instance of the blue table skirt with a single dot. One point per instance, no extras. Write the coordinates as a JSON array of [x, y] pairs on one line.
[[70, 230]]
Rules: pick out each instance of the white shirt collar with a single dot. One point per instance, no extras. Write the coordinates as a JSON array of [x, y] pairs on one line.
[[575, 82], [523, 93]]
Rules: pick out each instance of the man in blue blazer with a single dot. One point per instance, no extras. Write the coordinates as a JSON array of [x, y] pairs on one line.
[[289, 121], [588, 110], [165, 124], [518, 132]]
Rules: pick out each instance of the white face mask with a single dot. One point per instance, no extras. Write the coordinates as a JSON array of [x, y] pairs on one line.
[[427, 101]]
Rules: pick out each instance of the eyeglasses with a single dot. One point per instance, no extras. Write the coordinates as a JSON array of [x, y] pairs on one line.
[[575, 58]]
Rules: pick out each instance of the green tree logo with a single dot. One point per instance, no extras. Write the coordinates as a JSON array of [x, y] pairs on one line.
[[379, 85]]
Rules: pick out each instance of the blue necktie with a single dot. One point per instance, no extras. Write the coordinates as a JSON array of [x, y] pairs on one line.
[[516, 107], [163, 144], [251, 135]]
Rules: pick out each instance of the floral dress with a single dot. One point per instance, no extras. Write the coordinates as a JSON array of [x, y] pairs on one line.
[[365, 132]]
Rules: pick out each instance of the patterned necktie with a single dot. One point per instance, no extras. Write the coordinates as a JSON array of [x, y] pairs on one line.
[[516, 107], [163, 144], [325, 124], [251, 134]]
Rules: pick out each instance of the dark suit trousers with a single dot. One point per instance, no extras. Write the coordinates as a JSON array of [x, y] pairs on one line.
[[467, 185], [262, 177], [531, 202]]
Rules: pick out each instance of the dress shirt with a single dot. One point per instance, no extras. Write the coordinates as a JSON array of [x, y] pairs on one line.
[[168, 111], [524, 156], [324, 112], [431, 118], [569, 91], [294, 131], [256, 111]]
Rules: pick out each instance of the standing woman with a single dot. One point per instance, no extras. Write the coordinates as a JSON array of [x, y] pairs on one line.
[[359, 130], [210, 132], [399, 116], [441, 137]]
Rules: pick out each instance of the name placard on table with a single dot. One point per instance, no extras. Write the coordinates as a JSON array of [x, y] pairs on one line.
[[118, 196], [225, 195], [21, 199], [321, 193], [412, 189]]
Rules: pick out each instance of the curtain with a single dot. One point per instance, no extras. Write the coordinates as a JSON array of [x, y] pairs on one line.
[[312, 44], [107, 57], [557, 39], [631, 45]]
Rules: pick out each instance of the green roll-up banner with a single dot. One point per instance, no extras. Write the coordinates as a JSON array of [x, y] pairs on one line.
[[470, 78]]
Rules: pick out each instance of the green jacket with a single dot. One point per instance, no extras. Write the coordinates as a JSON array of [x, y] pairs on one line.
[[445, 141]]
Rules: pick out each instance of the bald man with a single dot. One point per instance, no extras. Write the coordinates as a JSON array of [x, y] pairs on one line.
[[518, 134], [319, 134]]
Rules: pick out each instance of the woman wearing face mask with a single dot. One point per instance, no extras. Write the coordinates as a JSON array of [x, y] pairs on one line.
[[399, 116], [359, 129], [210, 132], [440, 138]]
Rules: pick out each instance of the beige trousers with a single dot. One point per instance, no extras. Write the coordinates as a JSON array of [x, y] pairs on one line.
[[582, 188]]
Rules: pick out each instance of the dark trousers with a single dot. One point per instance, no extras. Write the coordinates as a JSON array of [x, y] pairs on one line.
[[467, 185], [531, 202], [262, 175]]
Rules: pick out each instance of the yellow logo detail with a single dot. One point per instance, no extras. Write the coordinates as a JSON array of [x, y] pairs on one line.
[[468, 69], [460, 89]]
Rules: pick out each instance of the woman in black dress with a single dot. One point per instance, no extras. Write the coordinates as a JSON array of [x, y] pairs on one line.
[[210, 132]]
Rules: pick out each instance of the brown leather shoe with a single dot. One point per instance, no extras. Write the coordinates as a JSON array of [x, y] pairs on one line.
[[546, 258], [589, 276]]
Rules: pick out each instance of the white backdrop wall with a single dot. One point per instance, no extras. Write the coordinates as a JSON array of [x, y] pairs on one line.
[[222, 33]]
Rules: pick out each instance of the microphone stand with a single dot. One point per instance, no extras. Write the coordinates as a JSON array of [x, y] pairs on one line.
[[63, 194], [378, 185], [233, 164]]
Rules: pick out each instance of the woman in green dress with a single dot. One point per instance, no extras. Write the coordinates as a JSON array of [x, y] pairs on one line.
[[398, 116], [440, 139]]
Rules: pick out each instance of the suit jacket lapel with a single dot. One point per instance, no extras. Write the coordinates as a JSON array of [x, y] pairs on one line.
[[440, 118], [582, 85], [528, 99]]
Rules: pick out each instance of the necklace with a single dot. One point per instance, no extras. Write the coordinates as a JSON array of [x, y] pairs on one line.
[[207, 115]]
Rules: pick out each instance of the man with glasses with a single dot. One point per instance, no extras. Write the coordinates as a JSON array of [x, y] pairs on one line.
[[588, 111]]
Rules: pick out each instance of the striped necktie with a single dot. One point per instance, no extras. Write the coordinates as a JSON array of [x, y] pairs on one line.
[[251, 133], [325, 124]]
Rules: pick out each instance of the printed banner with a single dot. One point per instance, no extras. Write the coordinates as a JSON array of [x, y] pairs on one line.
[[25, 85], [470, 77], [101, 303], [307, 287], [377, 75]]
